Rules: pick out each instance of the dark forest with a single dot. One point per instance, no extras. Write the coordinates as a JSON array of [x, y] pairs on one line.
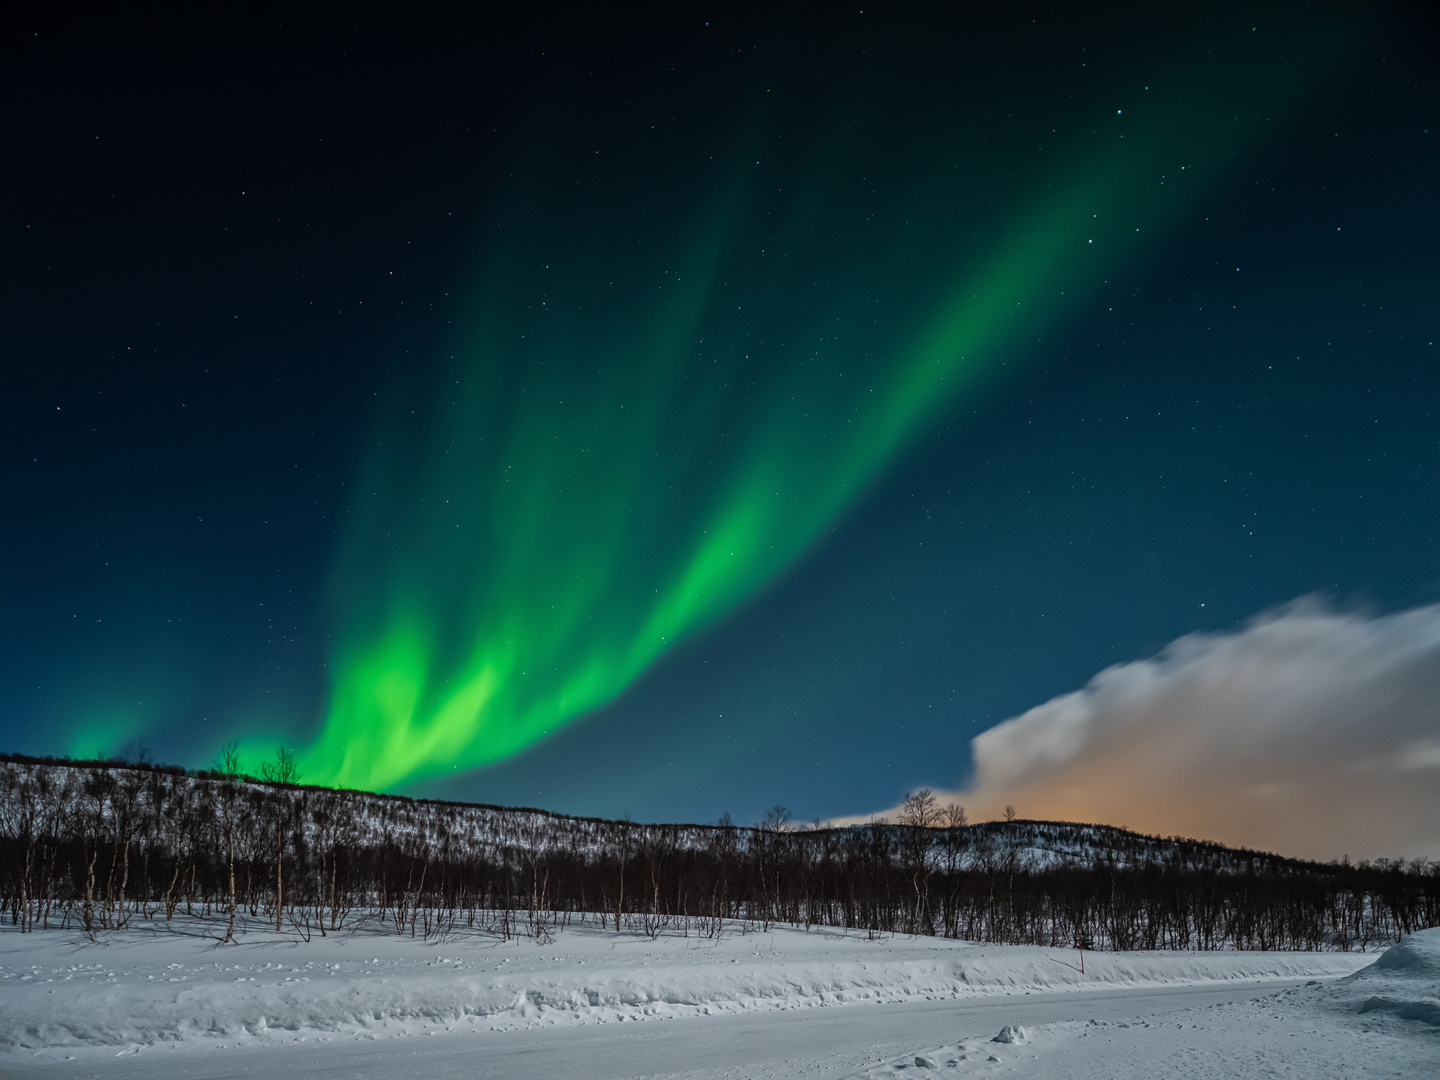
[[97, 846]]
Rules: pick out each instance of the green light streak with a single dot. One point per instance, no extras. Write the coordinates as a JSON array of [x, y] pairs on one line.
[[98, 735], [606, 470]]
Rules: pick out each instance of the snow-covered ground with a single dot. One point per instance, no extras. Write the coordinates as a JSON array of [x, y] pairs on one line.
[[170, 1001], [1381, 1021]]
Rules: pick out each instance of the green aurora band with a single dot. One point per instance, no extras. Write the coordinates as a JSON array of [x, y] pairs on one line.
[[625, 448]]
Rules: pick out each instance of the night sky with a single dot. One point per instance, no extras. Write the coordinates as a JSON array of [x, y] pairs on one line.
[[669, 414]]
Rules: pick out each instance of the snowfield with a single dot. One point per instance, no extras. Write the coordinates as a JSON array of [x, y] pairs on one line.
[[171, 1001]]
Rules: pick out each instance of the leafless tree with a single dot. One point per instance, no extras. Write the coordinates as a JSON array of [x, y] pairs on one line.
[[228, 765], [282, 771], [919, 814]]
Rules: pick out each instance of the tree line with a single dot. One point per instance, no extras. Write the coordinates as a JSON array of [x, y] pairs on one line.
[[101, 846]]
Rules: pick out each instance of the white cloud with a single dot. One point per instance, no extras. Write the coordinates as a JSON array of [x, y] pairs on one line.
[[1309, 732]]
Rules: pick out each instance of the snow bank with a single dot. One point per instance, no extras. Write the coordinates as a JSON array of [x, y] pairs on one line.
[[1404, 982], [161, 984], [1417, 957]]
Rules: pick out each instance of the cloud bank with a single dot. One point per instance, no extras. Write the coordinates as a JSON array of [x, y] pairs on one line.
[[1309, 732]]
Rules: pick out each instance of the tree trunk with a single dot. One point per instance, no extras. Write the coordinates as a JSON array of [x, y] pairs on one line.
[[279, 865], [230, 843], [89, 910]]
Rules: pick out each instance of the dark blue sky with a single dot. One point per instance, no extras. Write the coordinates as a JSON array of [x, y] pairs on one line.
[[237, 252]]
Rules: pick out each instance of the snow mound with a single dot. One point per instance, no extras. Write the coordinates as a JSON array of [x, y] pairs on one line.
[[1404, 982], [1417, 957], [1425, 1011], [1010, 1034]]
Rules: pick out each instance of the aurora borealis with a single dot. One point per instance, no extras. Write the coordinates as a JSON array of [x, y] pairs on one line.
[[550, 552], [575, 348]]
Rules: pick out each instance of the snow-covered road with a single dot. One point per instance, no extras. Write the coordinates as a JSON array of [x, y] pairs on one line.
[[781, 1004], [820, 1043]]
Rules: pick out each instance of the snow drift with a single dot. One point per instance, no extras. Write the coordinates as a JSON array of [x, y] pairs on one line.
[[145, 986], [1404, 982]]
